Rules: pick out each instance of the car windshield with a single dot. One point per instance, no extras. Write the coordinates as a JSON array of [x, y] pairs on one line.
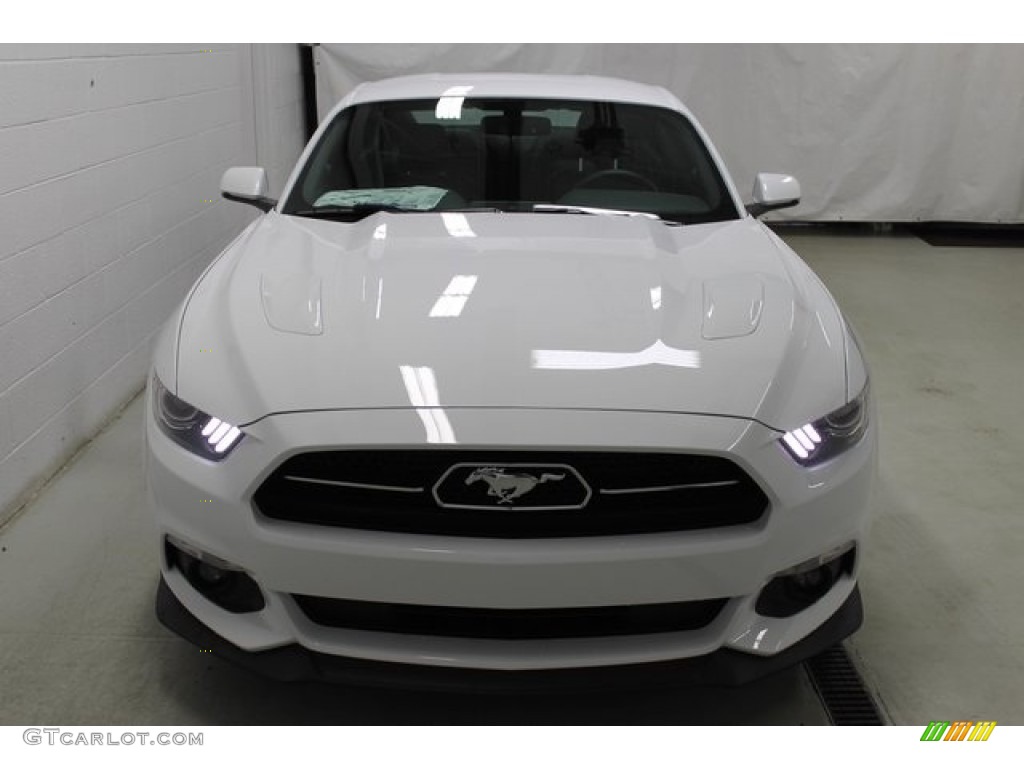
[[512, 155]]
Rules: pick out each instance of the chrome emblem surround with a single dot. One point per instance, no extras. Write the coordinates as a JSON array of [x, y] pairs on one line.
[[507, 486]]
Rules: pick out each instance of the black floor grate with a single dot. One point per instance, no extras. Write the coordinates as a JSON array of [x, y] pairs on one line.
[[841, 690]]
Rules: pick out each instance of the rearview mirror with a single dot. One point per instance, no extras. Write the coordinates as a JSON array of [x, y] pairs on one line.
[[773, 191], [246, 185]]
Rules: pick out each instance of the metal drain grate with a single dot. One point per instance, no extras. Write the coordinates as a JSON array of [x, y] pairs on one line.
[[841, 690]]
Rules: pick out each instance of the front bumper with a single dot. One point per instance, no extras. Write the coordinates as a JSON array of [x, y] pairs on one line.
[[292, 663], [812, 511]]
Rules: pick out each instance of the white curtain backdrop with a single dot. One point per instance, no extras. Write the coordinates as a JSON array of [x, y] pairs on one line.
[[873, 132]]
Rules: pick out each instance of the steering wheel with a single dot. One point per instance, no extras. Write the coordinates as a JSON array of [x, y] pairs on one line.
[[631, 179]]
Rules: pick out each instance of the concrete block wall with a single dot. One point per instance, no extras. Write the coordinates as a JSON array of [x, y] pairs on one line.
[[110, 160]]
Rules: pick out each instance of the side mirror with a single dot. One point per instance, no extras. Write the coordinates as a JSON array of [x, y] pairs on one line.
[[773, 191], [246, 185]]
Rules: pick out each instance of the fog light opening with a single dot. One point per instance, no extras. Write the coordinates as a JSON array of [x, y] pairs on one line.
[[797, 588], [210, 574], [222, 583]]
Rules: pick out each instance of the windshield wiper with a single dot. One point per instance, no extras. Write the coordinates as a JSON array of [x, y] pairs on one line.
[[586, 209], [359, 209]]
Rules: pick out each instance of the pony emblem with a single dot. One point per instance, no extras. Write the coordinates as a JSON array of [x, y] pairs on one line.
[[507, 486]]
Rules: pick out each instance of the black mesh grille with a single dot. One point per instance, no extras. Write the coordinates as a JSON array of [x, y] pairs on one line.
[[598, 494], [517, 624]]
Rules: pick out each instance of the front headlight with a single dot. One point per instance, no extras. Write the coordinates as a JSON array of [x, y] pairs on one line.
[[198, 432], [830, 435]]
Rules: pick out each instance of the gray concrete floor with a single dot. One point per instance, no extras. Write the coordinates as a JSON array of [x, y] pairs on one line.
[[942, 640], [944, 333]]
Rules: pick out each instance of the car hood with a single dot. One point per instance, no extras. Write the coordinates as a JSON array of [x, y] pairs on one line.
[[511, 310]]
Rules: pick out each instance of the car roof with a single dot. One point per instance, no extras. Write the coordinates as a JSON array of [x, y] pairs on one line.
[[508, 84]]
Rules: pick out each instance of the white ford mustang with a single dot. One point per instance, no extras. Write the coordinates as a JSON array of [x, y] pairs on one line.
[[510, 387]]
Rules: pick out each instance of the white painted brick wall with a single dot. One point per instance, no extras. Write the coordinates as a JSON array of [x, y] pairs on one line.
[[280, 123], [108, 156]]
